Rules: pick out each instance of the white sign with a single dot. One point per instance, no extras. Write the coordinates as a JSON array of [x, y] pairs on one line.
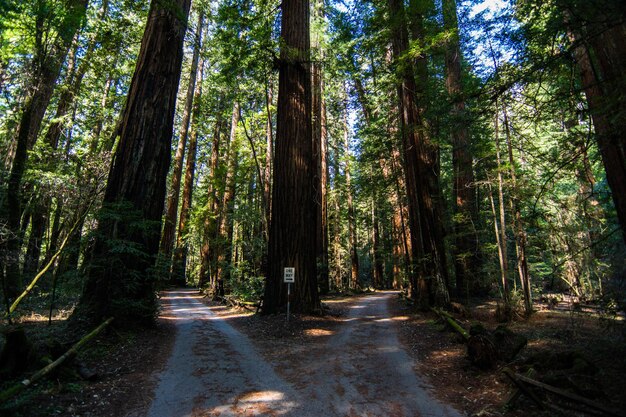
[[289, 275]]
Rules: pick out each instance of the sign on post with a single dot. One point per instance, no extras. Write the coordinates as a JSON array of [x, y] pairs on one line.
[[289, 275]]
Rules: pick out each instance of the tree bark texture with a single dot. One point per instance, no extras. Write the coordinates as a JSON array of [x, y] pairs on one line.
[[169, 227], [223, 240], [293, 227], [320, 155], [178, 270], [269, 155], [377, 257], [599, 38], [466, 252], [428, 271], [352, 238], [502, 245], [210, 219], [121, 279]]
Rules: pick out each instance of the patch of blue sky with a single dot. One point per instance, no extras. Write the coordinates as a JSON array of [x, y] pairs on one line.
[[486, 29]]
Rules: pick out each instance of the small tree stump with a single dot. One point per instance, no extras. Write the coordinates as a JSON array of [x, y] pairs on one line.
[[16, 354], [485, 348]]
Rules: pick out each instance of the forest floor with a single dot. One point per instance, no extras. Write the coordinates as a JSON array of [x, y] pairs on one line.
[[337, 364]]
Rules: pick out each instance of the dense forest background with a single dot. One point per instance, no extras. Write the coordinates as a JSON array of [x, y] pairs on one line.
[[447, 149]]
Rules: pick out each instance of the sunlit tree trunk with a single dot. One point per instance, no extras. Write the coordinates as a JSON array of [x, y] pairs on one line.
[[269, 154], [377, 257], [319, 152], [169, 227], [335, 226], [428, 271], [122, 283], [501, 238], [223, 243], [179, 262], [293, 228], [352, 238], [209, 226]]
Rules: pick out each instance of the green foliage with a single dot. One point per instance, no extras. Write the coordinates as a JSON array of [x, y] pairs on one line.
[[244, 284]]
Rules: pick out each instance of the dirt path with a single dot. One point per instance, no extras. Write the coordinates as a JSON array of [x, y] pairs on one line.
[[361, 370]]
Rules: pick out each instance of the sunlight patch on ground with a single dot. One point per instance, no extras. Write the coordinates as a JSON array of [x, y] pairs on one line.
[[253, 403], [233, 315], [391, 319], [38, 318], [262, 396], [318, 332], [441, 354]]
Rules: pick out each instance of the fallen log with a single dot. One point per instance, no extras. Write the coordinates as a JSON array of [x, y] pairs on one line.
[[510, 402], [45, 269], [568, 395], [453, 323], [513, 377], [17, 388]]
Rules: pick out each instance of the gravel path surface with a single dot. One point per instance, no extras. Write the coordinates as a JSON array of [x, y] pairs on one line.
[[362, 370]]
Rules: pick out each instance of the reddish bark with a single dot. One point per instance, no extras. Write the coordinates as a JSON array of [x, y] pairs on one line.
[[123, 283], [293, 228]]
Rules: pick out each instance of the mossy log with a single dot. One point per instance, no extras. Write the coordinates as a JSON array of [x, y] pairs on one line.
[[17, 388], [485, 348], [453, 323]]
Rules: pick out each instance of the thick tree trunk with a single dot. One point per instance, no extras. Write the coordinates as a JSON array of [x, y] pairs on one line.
[[466, 252], [293, 228], [121, 279], [169, 227], [428, 272], [600, 51], [319, 154]]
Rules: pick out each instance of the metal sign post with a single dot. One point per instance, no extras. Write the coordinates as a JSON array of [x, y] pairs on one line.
[[289, 277]]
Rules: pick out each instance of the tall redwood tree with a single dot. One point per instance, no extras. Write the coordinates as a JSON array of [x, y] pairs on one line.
[[293, 224], [121, 272], [466, 251]]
